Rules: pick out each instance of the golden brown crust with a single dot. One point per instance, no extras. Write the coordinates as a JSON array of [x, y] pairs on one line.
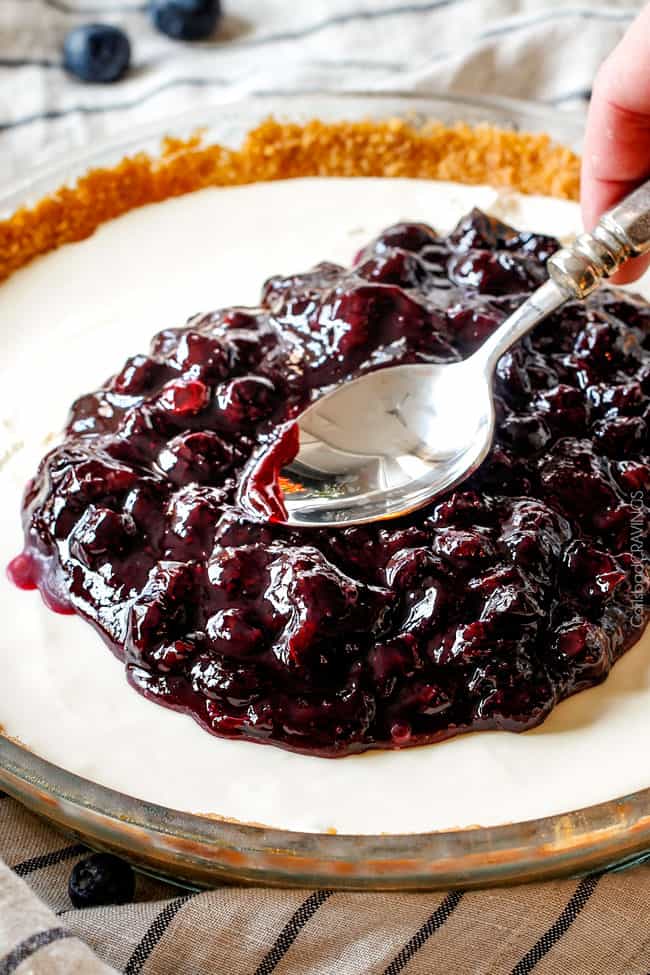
[[275, 150]]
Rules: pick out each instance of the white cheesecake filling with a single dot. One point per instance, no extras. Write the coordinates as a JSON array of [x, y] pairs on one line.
[[67, 322]]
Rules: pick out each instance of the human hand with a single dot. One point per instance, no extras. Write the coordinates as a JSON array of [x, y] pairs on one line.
[[617, 141]]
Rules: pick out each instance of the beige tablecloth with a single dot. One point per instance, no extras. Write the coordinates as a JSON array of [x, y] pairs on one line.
[[520, 48]]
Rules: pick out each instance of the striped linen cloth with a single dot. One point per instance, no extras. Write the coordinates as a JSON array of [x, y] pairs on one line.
[[594, 926], [520, 48]]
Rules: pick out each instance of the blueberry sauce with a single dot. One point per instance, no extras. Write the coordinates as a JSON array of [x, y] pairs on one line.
[[481, 611]]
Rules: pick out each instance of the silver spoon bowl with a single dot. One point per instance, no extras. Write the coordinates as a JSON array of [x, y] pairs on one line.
[[391, 441]]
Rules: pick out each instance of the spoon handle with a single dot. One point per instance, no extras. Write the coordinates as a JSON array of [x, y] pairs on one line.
[[577, 270], [621, 233], [534, 310]]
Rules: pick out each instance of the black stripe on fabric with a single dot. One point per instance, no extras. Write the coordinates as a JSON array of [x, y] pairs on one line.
[[357, 63], [557, 930], [340, 20], [355, 15], [512, 28], [432, 924], [115, 107], [29, 946], [335, 63], [55, 114], [417, 8], [583, 13], [28, 63], [153, 935], [291, 930], [290, 35], [406, 8], [569, 96], [48, 859], [112, 8]]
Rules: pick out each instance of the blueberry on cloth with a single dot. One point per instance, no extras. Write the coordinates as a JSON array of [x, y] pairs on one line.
[[185, 20], [97, 52], [101, 879]]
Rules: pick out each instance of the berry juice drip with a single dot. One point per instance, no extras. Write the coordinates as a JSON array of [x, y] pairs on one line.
[[21, 571], [25, 573]]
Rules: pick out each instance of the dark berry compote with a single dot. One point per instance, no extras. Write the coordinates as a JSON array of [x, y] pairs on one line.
[[482, 611]]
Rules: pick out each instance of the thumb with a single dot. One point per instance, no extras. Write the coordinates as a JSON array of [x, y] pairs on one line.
[[617, 140]]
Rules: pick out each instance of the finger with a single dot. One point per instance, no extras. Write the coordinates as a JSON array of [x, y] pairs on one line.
[[617, 140]]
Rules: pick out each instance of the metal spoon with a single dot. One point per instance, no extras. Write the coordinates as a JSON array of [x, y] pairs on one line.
[[383, 445]]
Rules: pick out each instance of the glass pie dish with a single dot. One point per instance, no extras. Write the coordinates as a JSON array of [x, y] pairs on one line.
[[208, 849]]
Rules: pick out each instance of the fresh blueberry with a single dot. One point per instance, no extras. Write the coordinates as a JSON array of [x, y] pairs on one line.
[[186, 20], [97, 53], [101, 879]]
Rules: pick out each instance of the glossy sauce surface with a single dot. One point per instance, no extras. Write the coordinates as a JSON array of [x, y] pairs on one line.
[[479, 612]]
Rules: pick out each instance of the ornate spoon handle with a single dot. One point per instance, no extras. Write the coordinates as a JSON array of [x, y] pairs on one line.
[[577, 270], [622, 232]]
